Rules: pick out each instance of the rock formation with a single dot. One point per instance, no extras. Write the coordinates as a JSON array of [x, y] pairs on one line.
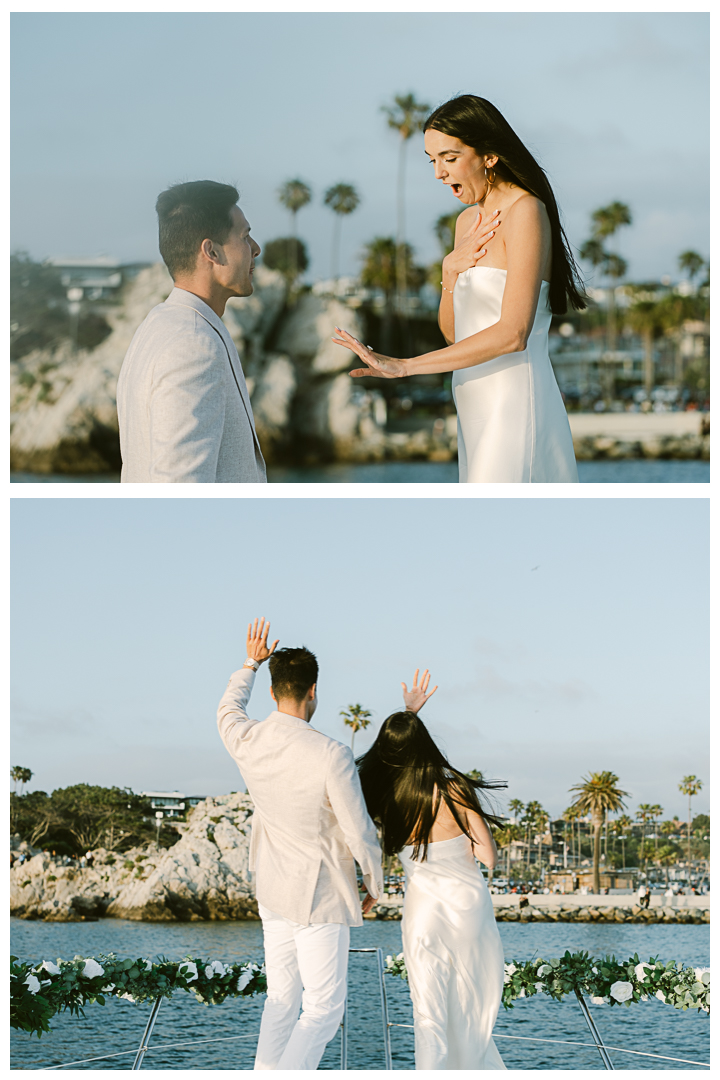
[[204, 876], [63, 412]]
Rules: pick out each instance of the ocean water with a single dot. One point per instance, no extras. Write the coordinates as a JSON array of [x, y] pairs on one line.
[[118, 1026], [638, 471]]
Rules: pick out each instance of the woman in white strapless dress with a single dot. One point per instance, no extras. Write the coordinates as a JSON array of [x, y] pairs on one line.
[[432, 819], [512, 423]]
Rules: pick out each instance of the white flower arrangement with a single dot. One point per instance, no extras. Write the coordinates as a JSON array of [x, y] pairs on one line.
[[621, 991], [92, 969]]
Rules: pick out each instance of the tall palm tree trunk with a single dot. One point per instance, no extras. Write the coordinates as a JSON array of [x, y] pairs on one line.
[[336, 253], [401, 267], [648, 362], [597, 830]]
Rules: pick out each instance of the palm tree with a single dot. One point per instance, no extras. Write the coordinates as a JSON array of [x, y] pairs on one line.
[[597, 794], [406, 116], [21, 776], [505, 838], [643, 814], [342, 199], [656, 812], [690, 786], [533, 811], [647, 318], [605, 223], [691, 263], [666, 856], [570, 816], [624, 825], [380, 271], [294, 194], [357, 719], [542, 821]]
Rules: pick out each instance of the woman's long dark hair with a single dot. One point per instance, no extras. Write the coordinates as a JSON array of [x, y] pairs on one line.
[[404, 777], [477, 123]]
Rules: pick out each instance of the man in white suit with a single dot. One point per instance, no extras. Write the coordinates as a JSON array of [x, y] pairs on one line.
[[183, 406], [309, 828]]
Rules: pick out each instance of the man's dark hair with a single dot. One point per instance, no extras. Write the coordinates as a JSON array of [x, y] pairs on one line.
[[292, 673], [187, 215]]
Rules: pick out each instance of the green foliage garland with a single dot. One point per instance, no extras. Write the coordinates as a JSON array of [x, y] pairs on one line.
[[39, 991], [605, 981]]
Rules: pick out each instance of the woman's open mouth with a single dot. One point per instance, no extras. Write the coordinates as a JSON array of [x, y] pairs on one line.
[[456, 189]]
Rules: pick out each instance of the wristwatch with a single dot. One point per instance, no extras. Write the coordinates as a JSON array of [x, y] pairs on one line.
[[254, 664]]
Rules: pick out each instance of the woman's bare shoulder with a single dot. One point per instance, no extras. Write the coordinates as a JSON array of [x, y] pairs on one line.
[[526, 210]]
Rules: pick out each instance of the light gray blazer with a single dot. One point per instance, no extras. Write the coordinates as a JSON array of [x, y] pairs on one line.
[[183, 406], [310, 824]]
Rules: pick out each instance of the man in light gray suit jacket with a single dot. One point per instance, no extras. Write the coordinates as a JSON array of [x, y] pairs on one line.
[[183, 405], [309, 828]]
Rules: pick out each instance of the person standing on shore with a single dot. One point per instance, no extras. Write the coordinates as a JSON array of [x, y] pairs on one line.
[[183, 406], [309, 828]]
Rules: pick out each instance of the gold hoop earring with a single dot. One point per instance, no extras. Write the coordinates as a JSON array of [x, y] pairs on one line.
[[490, 176]]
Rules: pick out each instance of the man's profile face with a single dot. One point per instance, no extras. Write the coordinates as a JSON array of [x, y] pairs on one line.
[[240, 252]]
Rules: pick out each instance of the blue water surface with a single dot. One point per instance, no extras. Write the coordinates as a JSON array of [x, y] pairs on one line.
[[118, 1026]]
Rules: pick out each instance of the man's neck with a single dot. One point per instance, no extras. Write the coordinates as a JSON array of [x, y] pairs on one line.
[[205, 291], [298, 709]]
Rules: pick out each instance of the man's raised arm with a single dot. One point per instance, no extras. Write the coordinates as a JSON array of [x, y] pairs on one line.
[[232, 719]]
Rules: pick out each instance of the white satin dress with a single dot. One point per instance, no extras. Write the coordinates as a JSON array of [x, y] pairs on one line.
[[454, 958], [512, 423]]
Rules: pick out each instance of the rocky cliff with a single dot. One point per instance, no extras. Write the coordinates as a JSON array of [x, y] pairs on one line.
[[63, 412], [204, 876]]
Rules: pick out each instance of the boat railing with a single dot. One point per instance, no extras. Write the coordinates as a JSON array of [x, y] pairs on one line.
[[145, 1048]]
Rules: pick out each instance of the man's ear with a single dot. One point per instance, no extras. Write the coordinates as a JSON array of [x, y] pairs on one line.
[[208, 251], [312, 691], [272, 695]]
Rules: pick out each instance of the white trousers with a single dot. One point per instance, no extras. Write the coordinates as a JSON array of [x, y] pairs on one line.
[[305, 965]]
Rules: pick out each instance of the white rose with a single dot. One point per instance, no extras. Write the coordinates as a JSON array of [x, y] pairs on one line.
[[544, 969], [188, 966], [700, 975], [32, 983], [53, 969], [522, 992], [621, 991], [640, 970], [401, 956], [643, 997], [92, 969], [244, 979], [659, 995], [108, 989], [597, 1001], [510, 969], [148, 965], [538, 986], [128, 997]]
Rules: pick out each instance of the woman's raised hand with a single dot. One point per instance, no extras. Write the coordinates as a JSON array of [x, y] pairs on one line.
[[416, 697], [470, 250], [380, 367]]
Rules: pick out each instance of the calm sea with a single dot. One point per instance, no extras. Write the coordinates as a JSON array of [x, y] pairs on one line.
[[118, 1026], [421, 472]]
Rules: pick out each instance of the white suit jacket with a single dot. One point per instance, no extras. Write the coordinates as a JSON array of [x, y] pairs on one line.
[[183, 406], [310, 824]]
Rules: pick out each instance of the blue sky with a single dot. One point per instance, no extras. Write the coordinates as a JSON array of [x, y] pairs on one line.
[[109, 108], [129, 616]]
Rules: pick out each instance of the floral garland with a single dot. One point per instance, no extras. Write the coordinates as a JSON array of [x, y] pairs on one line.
[[605, 981], [39, 991]]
